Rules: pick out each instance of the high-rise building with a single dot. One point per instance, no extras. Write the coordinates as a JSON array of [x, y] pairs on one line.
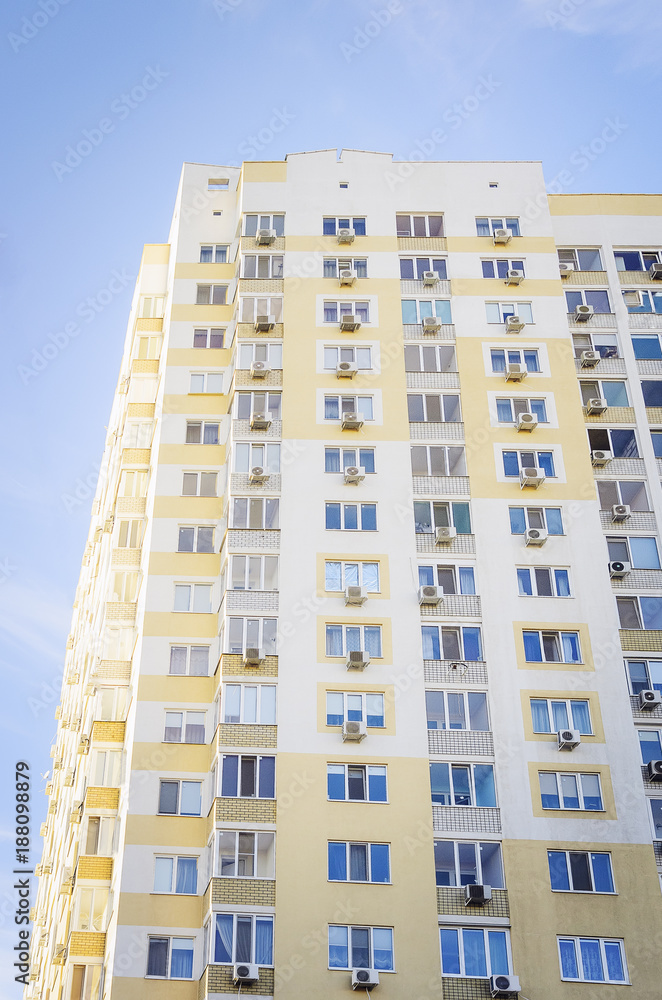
[[363, 686]]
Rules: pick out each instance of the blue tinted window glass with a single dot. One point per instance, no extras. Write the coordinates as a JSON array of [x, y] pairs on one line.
[[473, 944], [337, 862], [431, 648], [409, 314], [589, 950], [266, 783], [531, 361], [602, 877], [558, 870], [562, 582], [510, 463], [524, 582], [532, 648], [359, 226], [223, 938], [230, 772], [498, 953], [367, 459], [338, 948], [614, 958], [646, 348], [369, 517], [554, 521], [406, 269], [568, 955], [329, 227], [473, 649], [484, 782], [488, 268], [498, 361], [450, 950], [440, 783], [377, 784], [379, 863], [546, 463], [517, 520], [333, 515], [336, 781]]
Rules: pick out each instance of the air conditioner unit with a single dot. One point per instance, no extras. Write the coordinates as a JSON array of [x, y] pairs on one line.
[[596, 405], [347, 276], [84, 745], [526, 421], [265, 237], [654, 770], [477, 895], [60, 954], [583, 313], [501, 236], [346, 369], [354, 474], [600, 458], [590, 359], [346, 235], [514, 277], [515, 372], [245, 973], [259, 369], [358, 659], [364, 979], [568, 739], [531, 476], [260, 421], [443, 536], [430, 595], [264, 323], [504, 986], [655, 272], [535, 536], [620, 512], [258, 474], [566, 269], [431, 324], [68, 777], [430, 277], [253, 656], [649, 699], [43, 829], [352, 421], [356, 595], [353, 732], [349, 322], [617, 569], [514, 324]]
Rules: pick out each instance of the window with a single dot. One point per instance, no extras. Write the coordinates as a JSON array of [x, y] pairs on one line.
[[106, 768], [419, 225], [646, 346], [432, 358], [656, 438], [339, 459], [656, 817], [243, 937], [336, 406], [99, 836], [582, 260], [500, 358], [650, 744], [85, 980], [508, 410], [218, 184], [548, 715], [634, 260], [138, 435], [640, 552], [451, 643], [249, 704], [184, 727], [433, 408], [338, 575], [359, 862], [624, 491], [255, 512], [438, 460], [270, 355], [254, 573], [170, 958], [431, 514], [598, 298], [452, 579], [642, 301], [457, 710], [111, 704], [345, 706], [592, 960], [515, 461], [331, 226], [487, 227], [644, 675], [199, 484], [652, 392], [254, 222], [245, 854], [580, 871], [351, 516], [360, 356], [247, 456], [91, 910], [614, 393], [361, 948], [356, 782], [334, 265], [462, 784], [214, 295], [152, 306], [551, 647], [214, 254], [343, 639], [189, 660], [133, 484], [174, 874], [416, 310], [474, 951], [265, 305], [180, 798], [251, 633], [263, 266], [413, 268], [570, 791], [200, 539], [130, 534], [499, 268], [606, 344], [201, 432], [333, 311], [206, 382], [248, 777], [640, 612], [460, 863], [247, 403], [195, 597], [149, 348], [498, 312], [123, 587], [621, 443], [542, 581]]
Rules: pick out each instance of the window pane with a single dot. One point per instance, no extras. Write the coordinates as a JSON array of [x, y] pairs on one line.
[[382, 947], [450, 950], [498, 953], [614, 958], [484, 781], [568, 954], [589, 950], [580, 872], [473, 942], [379, 863], [163, 874], [602, 877], [490, 861], [558, 870]]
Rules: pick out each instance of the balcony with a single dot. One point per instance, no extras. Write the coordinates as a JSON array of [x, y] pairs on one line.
[[460, 741], [612, 415], [639, 520], [639, 579], [422, 244], [240, 891], [130, 506], [93, 867], [217, 980], [239, 481], [243, 429], [441, 486], [645, 321], [112, 671], [433, 380], [460, 545], [640, 640], [228, 810], [606, 366], [243, 377], [255, 602], [126, 557], [431, 431], [232, 665], [410, 286], [450, 900], [466, 819], [620, 467], [237, 735], [414, 331], [108, 732], [455, 672], [123, 612], [247, 331], [649, 366], [454, 605], [639, 716], [585, 278]]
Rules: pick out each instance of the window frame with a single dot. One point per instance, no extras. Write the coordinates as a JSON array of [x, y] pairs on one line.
[[477, 845], [189, 647], [365, 768], [363, 695], [175, 858], [463, 974], [275, 262], [589, 856], [557, 634], [466, 710], [436, 263], [511, 222], [361, 626], [169, 939], [360, 564], [343, 515], [576, 260], [346, 307], [203, 425], [245, 619], [236, 916], [196, 528], [256, 833], [331, 224], [460, 632], [507, 309], [576, 940], [494, 262], [209, 332], [553, 579], [371, 929], [637, 599], [440, 308], [179, 782], [459, 792], [243, 687], [251, 507], [216, 250], [257, 776], [348, 844], [344, 264], [199, 482], [583, 293], [577, 776], [401, 234], [569, 713], [259, 219], [509, 352], [433, 452], [217, 294]]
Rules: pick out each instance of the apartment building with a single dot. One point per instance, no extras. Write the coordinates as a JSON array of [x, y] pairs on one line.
[[363, 687]]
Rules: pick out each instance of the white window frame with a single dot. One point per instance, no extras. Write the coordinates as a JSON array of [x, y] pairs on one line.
[[196, 529], [506, 309], [577, 775], [509, 353], [175, 858], [568, 707], [267, 917], [259, 454], [461, 950], [420, 215], [267, 395], [571, 256], [361, 627], [360, 564], [359, 515], [593, 342], [141, 431], [347, 307], [96, 893], [368, 402], [272, 352], [417, 259], [202, 425], [107, 767], [257, 258], [274, 307], [521, 400], [346, 353], [170, 938], [557, 633], [637, 599], [197, 592], [209, 332], [505, 222], [133, 483], [435, 566], [464, 695], [248, 556], [441, 397], [371, 929], [344, 264], [179, 782], [152, 306], [543, 511], [646, 660], [263, 221], [251, 504], [216, 296], [199, 481], [243, 688], [344, 222], [245, 619], [576, 939], [458, 467], [432, 301], [511, 265], [188, 648], [437, 351], [355, 461], [360, 843], [364, 711], [589, 856], [130, 530], [552, 575], [476, 844], [217, 250], [218, 871], [366, 768], [183, 727], [212, 383]]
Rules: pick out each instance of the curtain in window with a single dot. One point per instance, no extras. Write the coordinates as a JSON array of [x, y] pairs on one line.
[[223, 938], [373, 640], [581, 718], [498, 953], [187, 875], [338, 950], [474, 953], [591, 960], [450, 952], [337, 863], [181, 963], [614, 961], [157, 960], [382, 947], [568, 960], [263, 941]]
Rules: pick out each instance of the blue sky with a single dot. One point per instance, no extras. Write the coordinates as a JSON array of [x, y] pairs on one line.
[[197, 80]]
